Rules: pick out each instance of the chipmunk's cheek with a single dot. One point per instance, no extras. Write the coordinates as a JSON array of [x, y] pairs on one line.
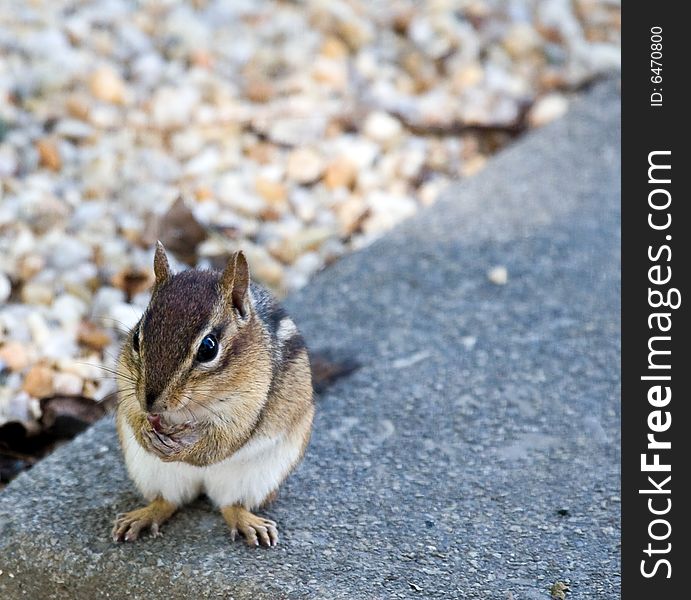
[[176, 415]]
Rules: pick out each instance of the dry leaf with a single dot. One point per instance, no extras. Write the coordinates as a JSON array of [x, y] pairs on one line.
[[181, 233], [66, 416], [558, 590]]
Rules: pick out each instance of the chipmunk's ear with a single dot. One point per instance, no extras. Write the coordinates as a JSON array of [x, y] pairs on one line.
[[235, 283], [161, 266]]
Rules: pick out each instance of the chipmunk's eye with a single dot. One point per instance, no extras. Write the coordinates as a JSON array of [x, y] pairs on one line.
[[135, 341], [208, 349]]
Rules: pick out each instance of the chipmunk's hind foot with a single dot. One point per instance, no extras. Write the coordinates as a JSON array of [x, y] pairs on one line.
[[129, 525], [256, 530]]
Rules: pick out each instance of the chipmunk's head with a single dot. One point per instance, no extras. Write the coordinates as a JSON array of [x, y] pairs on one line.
[[198, 351]]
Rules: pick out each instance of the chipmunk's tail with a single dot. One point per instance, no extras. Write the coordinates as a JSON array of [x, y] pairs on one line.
[[328, 366]]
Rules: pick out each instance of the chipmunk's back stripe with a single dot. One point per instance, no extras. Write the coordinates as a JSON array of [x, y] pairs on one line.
[[286, 330], [275, 318], [287, 341], [270, 312], [293, 346]]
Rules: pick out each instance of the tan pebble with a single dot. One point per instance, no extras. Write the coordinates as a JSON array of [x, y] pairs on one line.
[[473, 165], [269, 213], [67, 384], [131, 233], [29, 265], [520, 40], [304, 166], [421, 69], [341, 172], [203, 193], [551, 78], [202, 58], [14, 355], [36, 293], [93, 336], [48, 154], [351, 215], [78, 107], [467, 76], [334, 128], [83, 290], [274, 192], [498, 275], [331, 73], [550, 33], [105, 84], [289, 249], [262, 152], [263, 266], [90, 389], [39, 381], [269, 273], [354, 33], [334, 48], [259, 90]]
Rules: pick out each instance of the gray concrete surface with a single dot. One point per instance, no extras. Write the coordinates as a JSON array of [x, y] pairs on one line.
[[474, 455]]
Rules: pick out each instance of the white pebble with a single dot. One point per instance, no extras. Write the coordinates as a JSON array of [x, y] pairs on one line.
[[67, 384], [59, 344], [68, 310], [382, 128], [172, 107], [68, 253], [124, 316], [205, 162], [73, 129], [359, 151], [547, 109], [305, 165], [104, 299], [498, 275], [87, 368], [5, 288], [37, 293], [388, 210], [8, 161]]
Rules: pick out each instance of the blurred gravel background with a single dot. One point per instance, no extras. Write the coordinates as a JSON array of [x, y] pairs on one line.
[[296, 131]]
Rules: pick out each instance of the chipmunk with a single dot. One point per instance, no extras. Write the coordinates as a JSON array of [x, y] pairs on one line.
[[215, 397]]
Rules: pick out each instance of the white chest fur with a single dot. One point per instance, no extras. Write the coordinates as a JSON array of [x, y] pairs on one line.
[[246, 478]]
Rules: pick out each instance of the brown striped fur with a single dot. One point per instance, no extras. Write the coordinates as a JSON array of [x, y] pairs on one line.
[[259, 385]]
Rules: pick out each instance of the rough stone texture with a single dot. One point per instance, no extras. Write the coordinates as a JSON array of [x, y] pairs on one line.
[[475, 454]]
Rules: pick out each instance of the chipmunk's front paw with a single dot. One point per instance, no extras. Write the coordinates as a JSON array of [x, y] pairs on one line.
[[256, 530], [168, 443], [129, 525]]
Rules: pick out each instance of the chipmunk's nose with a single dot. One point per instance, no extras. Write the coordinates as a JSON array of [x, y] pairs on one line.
[[150, 399], [155, 421]]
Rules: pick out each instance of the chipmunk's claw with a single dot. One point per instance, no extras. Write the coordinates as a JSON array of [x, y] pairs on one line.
[[129, 525], [256, 530]]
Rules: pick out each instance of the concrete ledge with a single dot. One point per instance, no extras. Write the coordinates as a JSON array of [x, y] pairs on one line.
[[474, 455]]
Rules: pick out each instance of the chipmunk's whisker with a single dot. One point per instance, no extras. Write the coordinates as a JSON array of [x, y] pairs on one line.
[[203, 406]]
